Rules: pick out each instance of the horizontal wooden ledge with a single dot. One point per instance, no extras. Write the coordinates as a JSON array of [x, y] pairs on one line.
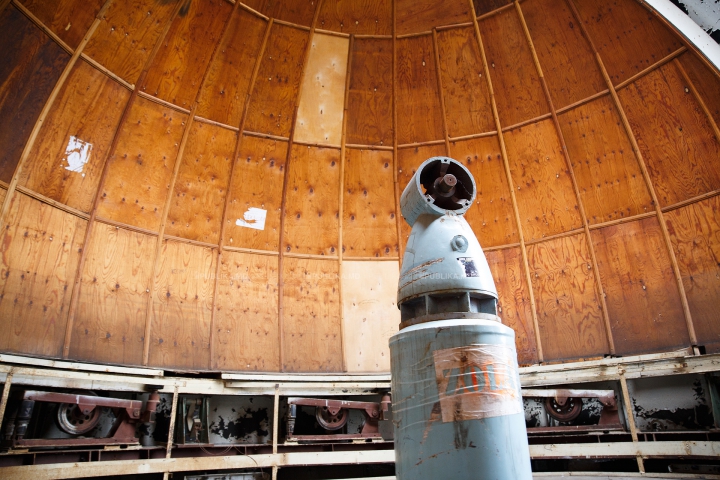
[[53, 203], [311, 256], [292, 25], [126, 226], [454, 25], [162, 102], [68, 365], [414, 34], [317, 145], [649, 69], [585, 100], [217, 124], [97, 66], [378, 37], [332, 32], [568, 233], [358, 146], [308, 388], [265, 135], [421, 144], [472, 136], [306, 377], [685, 449], [173, 238], [253, 11], [250, 250]]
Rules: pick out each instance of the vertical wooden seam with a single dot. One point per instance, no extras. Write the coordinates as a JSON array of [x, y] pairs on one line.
[[398, 213], [236, 154], [506, 163], [283, 204], [103, 176], [596, 271], [173, 416], [341, 195], [645, 173], [276, 411], [699, 99], [440, 91], [161, 234]]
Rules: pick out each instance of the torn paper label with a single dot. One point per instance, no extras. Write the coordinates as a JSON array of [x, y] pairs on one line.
[[77, 154], [477, 381], [253, 218]]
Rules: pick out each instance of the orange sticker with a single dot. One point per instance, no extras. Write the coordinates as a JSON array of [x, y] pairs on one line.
[[477, 381]]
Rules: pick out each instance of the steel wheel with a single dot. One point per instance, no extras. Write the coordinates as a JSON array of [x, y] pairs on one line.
[[330, 419], [73, 421], [563, 412]]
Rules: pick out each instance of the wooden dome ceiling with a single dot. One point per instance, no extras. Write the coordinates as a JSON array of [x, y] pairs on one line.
[[202, 185]]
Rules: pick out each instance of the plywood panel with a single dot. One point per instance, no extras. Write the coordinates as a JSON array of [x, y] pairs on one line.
[[485, 6], [222, 96], [300, 12], [365, 17], [544, 190], [67, 159], [311, 319], [609, 178], [369, 223], [109, 323], [569, 313], [418, 103], [320, 111], [492, 217], [178, 68], [201, 185], [568, 63], [679, 146], [68, 19], [257, 184], [41, 250], [422, 15], [696, 241], [518, 91], [31, 65], [141, 166], [514, 306], [408, 161], [640, 288], [705, 81], [628, 36], [127, 35], [370, 314], [370, 98], [312, 210], [182, 307], [246, 314], [273, 98], [467, 101]]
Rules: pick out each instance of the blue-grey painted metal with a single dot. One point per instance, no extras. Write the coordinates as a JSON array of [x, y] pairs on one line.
[[431, 264], [426, 447], [418, 200], [457, 406]]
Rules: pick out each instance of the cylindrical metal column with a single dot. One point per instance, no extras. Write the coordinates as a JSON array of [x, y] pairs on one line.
[[457, 406]]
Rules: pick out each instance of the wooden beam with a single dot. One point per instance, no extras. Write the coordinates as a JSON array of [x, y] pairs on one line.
[[235, 159], [161, 234], [654, 66], [511, 186], [87, 367], [576, 189], [671, 449], [276, 415], [341, 194], [645, 173]]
